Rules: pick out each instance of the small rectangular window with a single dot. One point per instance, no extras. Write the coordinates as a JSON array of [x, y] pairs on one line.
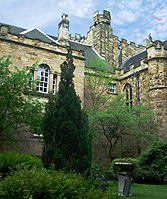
[[54, 83], [36, 133], [112, 88], [31, 80]]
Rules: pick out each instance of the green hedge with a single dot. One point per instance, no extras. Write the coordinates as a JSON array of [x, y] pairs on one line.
[[153, 164], [48, 184], [10, 160]]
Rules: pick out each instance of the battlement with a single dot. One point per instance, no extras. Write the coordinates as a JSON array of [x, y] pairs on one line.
[[102, 18], [78, 38], [125, 42], [131, 44], [157, 50]]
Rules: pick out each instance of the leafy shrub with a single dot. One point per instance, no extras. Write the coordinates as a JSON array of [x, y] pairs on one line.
[[48, 184], [153, 164], [10, 160], [94, 171]]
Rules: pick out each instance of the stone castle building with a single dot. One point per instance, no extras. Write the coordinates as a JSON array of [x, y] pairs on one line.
[[140, 71]]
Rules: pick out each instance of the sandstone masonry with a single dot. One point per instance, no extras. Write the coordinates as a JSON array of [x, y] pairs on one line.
[[142, 68]]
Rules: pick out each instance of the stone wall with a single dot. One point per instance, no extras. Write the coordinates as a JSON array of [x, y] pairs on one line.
[[157, 65], [24, 52], [152, 84], [152, 73]]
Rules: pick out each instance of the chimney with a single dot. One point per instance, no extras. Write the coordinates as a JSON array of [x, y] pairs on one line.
[[63, 30]]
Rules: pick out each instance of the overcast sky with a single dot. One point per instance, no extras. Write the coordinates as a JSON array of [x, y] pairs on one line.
[[130, 19]]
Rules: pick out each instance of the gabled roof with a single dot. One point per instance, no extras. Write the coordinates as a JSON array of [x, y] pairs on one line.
[[135, 60], [35, 33]]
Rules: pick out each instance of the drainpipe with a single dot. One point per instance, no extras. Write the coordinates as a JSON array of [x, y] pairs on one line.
[[137, 74], [120, 48]]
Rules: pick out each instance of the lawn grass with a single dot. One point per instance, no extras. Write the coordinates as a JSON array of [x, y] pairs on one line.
[[145, 191]]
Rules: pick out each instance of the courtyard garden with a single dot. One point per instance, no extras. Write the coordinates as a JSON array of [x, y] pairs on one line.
[[24, 176], [66, 169]]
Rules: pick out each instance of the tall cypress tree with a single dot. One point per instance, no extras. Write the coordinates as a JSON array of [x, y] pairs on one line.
[[67, 141]]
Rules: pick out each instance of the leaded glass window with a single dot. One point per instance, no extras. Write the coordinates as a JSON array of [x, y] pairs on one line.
[[128, 90], [54, 83], [43, 78]]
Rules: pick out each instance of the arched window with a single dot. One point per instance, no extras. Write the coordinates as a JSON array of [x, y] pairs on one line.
[[128, 90], [43, 77]]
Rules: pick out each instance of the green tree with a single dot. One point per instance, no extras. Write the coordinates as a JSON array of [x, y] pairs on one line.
[[19, 112], [109, 116], [98, 77], [117, 120], [67, 140]]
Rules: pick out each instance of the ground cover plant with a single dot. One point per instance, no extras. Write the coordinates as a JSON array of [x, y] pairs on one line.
[[9, 161], [43, 183]]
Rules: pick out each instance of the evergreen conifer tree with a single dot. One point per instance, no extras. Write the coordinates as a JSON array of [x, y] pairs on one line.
[[67, 140]]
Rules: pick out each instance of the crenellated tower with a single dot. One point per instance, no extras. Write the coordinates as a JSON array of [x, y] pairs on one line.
[[102, 33], [101, 37]]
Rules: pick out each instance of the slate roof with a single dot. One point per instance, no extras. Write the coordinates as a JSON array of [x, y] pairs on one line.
[[165, 43], [35, 33], [13, 29], [135, 60], [89, 52]]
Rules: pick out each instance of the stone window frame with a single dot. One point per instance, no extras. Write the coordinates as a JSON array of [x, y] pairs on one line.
[[54, 84], [31, 79], [112, 88], [43, 74], [129, 98]]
